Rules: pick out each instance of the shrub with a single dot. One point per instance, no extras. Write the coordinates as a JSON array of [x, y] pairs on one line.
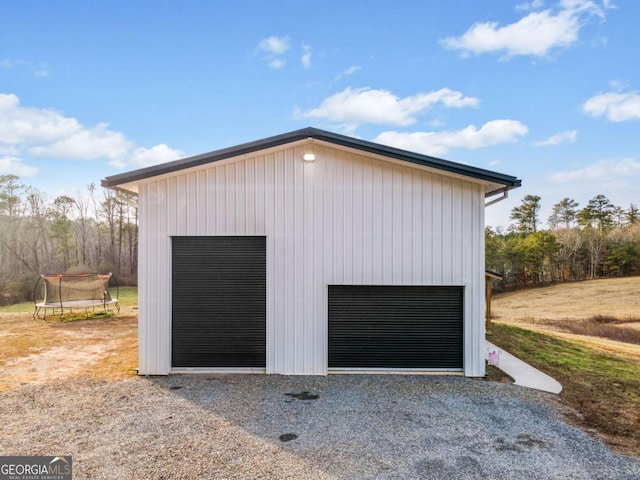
[[601, 326]]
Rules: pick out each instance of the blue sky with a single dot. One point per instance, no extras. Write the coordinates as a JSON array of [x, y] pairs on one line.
[[544, 90]]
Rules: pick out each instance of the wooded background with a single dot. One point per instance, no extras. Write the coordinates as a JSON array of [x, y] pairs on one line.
[[594, 241], [95, 232], [98, 232]]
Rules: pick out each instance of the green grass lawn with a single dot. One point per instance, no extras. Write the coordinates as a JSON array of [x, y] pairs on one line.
[[127, 297], [603, 388]]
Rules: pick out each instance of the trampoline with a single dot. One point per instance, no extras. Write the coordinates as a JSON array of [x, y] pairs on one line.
[[62, 292]]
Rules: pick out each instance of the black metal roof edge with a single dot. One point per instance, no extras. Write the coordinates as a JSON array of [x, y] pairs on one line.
[[315, 133], [418, 158]]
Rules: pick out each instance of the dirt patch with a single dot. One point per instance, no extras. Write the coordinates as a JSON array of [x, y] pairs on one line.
[[53, 364], [494, 374], [37, 352]]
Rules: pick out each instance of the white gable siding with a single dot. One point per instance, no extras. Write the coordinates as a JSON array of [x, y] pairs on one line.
[[344, 219]]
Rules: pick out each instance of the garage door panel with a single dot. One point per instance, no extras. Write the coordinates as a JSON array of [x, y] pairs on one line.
[[395, 326], [219, 302]]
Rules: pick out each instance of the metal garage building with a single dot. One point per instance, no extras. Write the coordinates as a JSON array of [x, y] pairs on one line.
[[311, 253]]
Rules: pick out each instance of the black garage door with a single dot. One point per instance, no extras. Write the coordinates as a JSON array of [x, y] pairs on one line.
[[219, 302], [395, 326]]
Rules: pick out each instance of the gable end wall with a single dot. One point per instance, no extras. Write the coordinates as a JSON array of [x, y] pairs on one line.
[[344, 219]]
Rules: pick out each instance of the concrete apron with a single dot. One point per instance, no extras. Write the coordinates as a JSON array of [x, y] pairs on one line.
[[523, 374]]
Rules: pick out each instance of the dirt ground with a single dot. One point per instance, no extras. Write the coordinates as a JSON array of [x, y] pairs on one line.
[[34, 351]]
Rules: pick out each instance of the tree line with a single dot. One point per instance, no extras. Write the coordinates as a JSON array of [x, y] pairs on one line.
[[98, 231], [597, 240], [95, 232]]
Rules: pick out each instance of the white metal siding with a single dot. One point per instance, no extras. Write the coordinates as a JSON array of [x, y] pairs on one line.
[[344, 219]]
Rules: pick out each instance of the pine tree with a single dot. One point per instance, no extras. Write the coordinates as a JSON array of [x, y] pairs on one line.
[[526, 214]]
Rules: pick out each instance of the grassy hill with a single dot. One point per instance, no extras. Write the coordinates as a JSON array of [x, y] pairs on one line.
[[619, 297]]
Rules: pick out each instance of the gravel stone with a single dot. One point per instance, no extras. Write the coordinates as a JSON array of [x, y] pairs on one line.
[[277, 427]]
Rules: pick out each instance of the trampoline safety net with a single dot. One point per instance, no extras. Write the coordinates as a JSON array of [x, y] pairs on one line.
[[65, 290]]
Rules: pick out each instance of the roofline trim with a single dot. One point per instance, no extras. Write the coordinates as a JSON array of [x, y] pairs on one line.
[[311, 133]]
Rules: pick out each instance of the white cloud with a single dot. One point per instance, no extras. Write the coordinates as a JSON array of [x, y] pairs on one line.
[[144, 157], [15, 166], [532, 5], [23, 125], [86, 144], [536, 34], [618, 85], [439, 143], [349, 71], [616, 106], [277, 63], [306, 57], [47, 133], [273, 49], [274, 45], [41, 71], [366, 105], [8, 101], [604, 170], [38, 69], [562, 137]]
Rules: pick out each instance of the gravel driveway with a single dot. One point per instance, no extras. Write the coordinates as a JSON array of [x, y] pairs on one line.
[[336, 427]]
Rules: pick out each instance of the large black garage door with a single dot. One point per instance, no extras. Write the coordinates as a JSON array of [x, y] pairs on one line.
[[395, 326], [219, 302]]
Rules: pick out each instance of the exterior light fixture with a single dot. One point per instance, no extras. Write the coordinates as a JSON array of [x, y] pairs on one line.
[[309, 154]]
